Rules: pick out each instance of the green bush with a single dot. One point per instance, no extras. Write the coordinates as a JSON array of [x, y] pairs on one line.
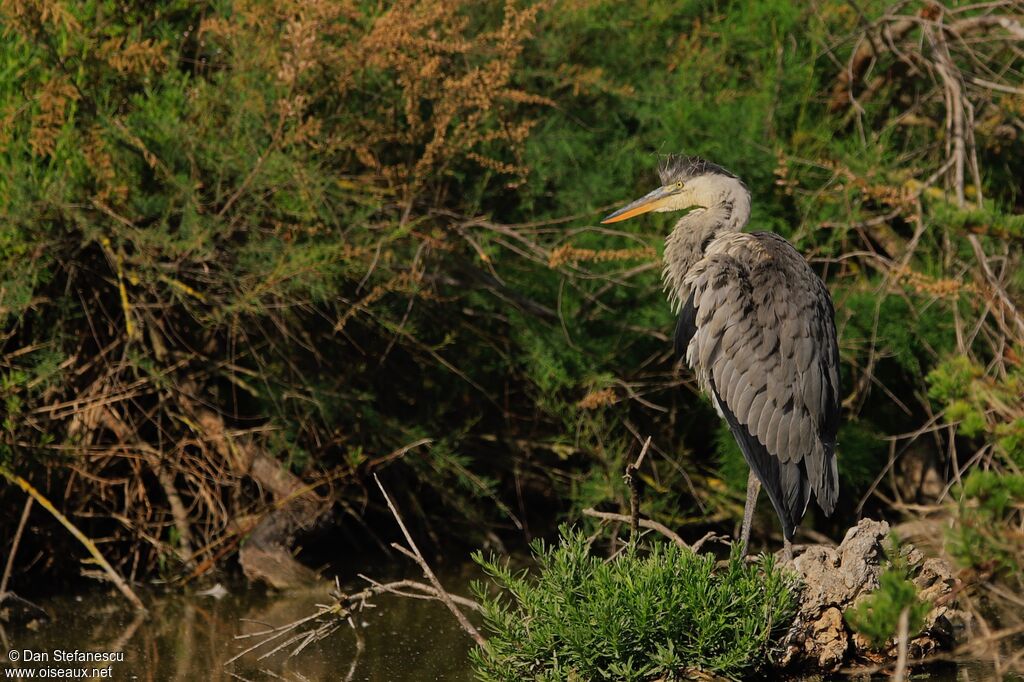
[[987, 533], [643, 615], [877, 616], [982, 406], [349, 228]]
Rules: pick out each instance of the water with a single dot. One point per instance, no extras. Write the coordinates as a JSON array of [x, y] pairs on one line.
[[192, 638]]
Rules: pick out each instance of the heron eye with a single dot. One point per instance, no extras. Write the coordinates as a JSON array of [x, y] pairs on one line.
[[679, 185]]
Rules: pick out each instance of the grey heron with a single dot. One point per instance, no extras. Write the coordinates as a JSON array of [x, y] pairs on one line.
[[756, 326]]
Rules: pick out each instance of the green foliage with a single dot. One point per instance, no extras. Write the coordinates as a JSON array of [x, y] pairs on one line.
[[995, 494], [952, 380], [877, 616], [987, 533], [659, 614], [990, 220], [731, 464], [349, 228], [982, 406], [1010, 440], [200, 203], [860, 450], [909, 336]]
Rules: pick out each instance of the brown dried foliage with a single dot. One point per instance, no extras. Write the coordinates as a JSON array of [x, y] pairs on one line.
[[921, 283], [434, 92], [134, 58], [596, 399], [387, 105], [24, 16], [53, 103], [109, 188], [571, 254]]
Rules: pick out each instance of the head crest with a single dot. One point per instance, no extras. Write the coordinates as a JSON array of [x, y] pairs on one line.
[[676, 167]]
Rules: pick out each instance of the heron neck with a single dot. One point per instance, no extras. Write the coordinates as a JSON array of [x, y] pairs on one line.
[[692, 235]]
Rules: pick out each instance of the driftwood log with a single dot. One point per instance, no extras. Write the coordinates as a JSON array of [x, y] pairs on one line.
[[266, 553]]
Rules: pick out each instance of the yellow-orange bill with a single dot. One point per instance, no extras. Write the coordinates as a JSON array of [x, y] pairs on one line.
[[647, 203]]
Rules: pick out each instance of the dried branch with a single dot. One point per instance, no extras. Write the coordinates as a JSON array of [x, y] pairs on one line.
[[114, 576], [643, 523], [429, 592], [414, 553], [902, 639], [1007, 307], [14, 546], [634, 493]]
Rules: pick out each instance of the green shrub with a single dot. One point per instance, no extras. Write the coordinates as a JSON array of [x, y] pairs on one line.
[[982, 406], [877, 616], [336, 225], [987, 533], [642, 615]]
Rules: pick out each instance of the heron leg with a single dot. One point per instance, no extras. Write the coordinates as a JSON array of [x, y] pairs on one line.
[[753, 488], [787, 550]]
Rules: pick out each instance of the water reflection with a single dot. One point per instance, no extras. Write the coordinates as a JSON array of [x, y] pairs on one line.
[[190, 638]]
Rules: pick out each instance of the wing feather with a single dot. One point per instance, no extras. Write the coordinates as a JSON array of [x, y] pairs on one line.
[[758, 330], [686, 327], [746, 398], [758, 405], [764, 422]]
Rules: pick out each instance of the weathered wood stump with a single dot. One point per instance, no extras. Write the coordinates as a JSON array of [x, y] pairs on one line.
[[266, 555], [834, 579]]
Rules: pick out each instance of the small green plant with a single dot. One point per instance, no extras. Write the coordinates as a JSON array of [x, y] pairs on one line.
[[657, 614], [982, 406], [877, 617], [988, 536]]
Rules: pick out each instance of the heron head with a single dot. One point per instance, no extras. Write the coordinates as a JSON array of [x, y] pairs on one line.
[[687, 182]]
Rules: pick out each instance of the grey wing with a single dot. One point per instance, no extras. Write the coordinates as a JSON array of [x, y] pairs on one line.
[[763, 344]]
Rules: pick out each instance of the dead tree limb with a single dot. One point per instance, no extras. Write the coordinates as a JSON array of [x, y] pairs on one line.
[[643, 523], [634, 491], [414, 553], [14, 546], [114, 576]]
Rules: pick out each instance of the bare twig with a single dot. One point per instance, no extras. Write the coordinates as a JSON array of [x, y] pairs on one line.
[[14, 547], [414, 553], [957, 109], [902, 636], [643, 523], [396, 587], [1008, 309], [710, 536], [360, 647], [329, 617], [634, 492], [114, 576], [275, 633]]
